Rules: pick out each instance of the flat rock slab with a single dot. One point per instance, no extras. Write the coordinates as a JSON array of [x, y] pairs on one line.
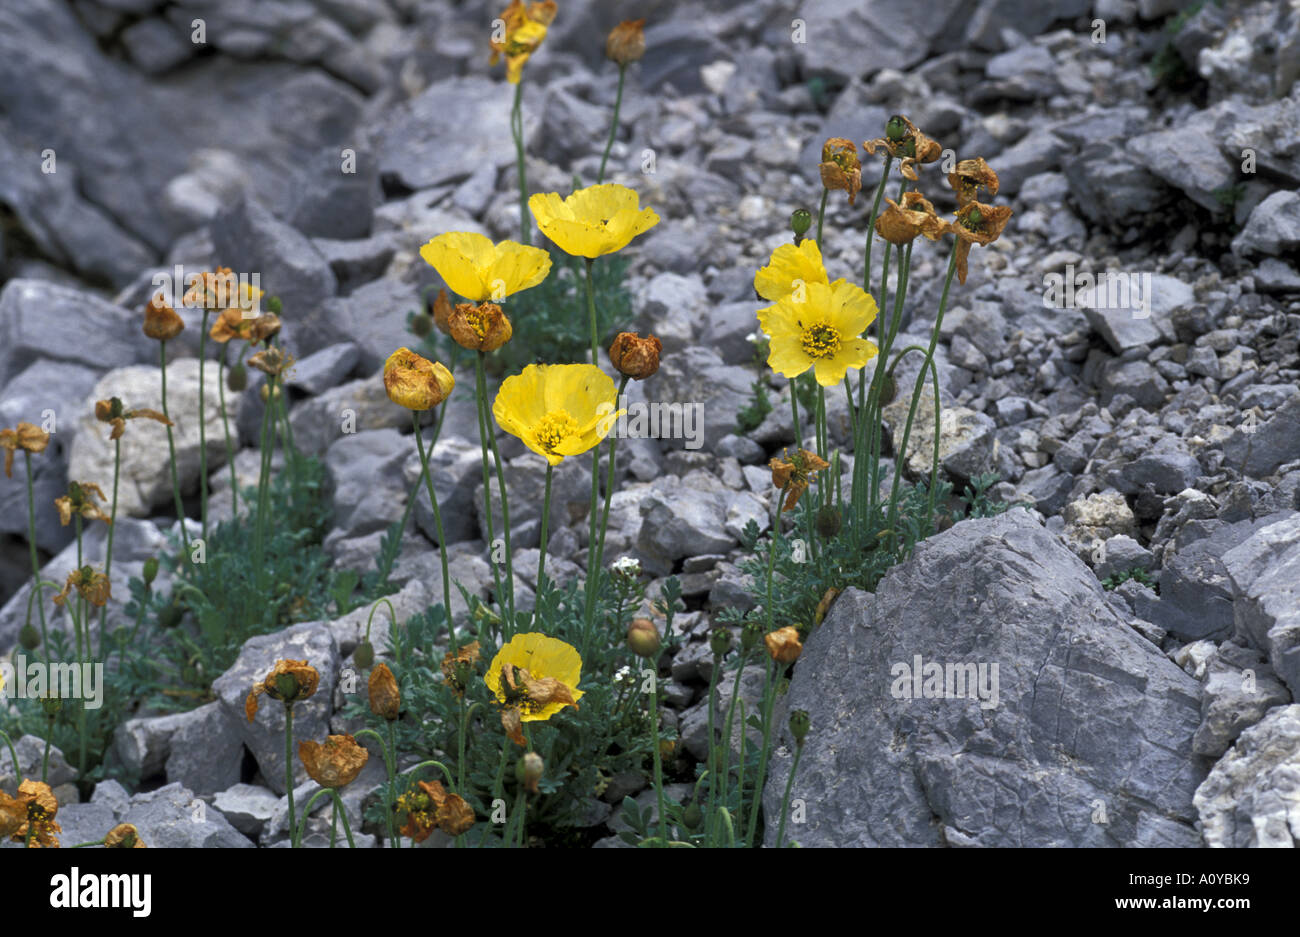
[[1084, 738]]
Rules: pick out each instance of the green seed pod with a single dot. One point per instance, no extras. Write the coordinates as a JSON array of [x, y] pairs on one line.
[[52, 705], [364, 655], [170, 616], [799, 725], [828, 521], [800, 222], [693, 816], [150, 570], [421, 325], [720, 640], [237, 377], [895, 128], [274, 305], [29, 637], [750, 635]]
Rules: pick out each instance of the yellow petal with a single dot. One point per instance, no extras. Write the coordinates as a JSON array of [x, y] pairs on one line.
[[790, 265]]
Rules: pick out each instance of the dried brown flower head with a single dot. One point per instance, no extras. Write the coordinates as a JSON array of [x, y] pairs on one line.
[[161, 322], [479, 326], [430, 807], [115, 414], [92, 586], [793, 473], [459, 665], [290, 682], [635, 357], [901, 223], [385, 698], [977, 223], [840, 167], [903, 141], [123, 836], [783, 644], [26, 436], [626, 42], [336, 762], [970, 177], [39, 807], [80, 500]]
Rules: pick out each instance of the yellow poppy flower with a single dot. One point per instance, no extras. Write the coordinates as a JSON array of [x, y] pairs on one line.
[[537, 675], [594, 221], [479, 270], [823, 332], [557, 410], [525, 28], [789, 267]]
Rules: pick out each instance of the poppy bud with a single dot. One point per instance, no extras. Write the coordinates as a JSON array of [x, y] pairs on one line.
[[799, 725], [150, 570], [750, 635], [529, 770], [421, 325], [29, 637], [720, 640], [52, 705], [643, 637], [170, 616], [237, 377], [800, 222], [693, 816], [265, 393], [828, 521], [364, 655]]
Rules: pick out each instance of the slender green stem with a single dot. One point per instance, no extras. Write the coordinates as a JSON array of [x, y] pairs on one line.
[[774, 673], [658, 759], [871, 222], [713, 753], [391, 750], [546, 520], [225, 426], [916, 390], [296, 833], [203, 428], [288, 758], [609, 483], [437, 522], [821, 217], [613, 124], [517, 131], [785, 799], [391, 768], [490, 427], [725, 775], [794, 411], [171, 449], [591, 313], [483, 430], [31, 546], [341, 811], [112, 527], [45, 759]]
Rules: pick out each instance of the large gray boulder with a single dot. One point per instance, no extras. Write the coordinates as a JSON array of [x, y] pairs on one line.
[[1082, 736], [1265, 575]]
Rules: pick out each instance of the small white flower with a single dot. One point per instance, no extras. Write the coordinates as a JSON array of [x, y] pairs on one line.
[[627, 566], [623, 673]]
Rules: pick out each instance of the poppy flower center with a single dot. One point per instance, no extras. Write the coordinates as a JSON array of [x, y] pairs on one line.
[[821, 341], [555, 427]]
